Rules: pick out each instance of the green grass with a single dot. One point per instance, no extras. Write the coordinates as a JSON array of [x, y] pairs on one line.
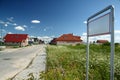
[[69, 63]]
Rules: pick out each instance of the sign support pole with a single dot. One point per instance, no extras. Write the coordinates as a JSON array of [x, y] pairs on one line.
[[112, 46], [112, 41], [87, 55]]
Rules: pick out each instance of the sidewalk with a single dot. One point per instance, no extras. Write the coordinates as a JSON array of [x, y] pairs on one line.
[[36, 66]]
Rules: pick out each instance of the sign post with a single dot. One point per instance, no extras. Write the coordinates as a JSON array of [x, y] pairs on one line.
[[101, 24], [112, 46]]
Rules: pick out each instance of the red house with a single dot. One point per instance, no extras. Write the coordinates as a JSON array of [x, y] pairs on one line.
[[16, 39], [101, 41], [67, 39]]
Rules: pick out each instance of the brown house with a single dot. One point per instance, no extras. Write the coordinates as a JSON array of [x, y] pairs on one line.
[[67, 39], [16, 39], [101, 41]]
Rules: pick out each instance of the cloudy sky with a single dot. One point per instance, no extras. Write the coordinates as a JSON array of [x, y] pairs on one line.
[[53, 17]]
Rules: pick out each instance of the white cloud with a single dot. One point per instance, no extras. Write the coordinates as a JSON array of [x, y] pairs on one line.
[[10, 19], [20, 28], [32, 36], [5, 25], [14, 24], [85, 22], [117, 36], [44, 29], [2, 22], [9, 32], [35, 21], [24, 26], [84, 34], [105, 37], [117, 31], [46, 39], [31, 26], [8, 23], [3, 30]]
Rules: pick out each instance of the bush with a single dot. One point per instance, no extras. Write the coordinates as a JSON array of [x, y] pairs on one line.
[[69, 63], [106, 44], [116, 44]]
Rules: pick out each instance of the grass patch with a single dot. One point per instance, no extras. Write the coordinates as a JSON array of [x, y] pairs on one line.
[[69, 63]]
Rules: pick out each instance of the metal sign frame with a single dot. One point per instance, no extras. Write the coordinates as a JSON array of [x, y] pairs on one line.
[[99, 26], [111, 8]]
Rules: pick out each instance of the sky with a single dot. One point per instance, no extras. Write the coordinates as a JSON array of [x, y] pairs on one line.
[[52, 18]]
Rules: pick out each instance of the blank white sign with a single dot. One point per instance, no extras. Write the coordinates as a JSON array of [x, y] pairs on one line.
[[99, 26]]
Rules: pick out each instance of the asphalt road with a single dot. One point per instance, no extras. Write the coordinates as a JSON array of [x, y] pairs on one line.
[[13, 61]]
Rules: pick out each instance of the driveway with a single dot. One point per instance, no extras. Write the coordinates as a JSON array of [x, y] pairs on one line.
[[14, 61]]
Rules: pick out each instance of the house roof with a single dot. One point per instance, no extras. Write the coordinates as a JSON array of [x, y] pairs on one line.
[[69, 38], [15, 37], [54, 39], [102, 41]]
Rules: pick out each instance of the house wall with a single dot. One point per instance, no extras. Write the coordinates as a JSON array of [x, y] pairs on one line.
[[67, 43], [13, 43], [24, 42]]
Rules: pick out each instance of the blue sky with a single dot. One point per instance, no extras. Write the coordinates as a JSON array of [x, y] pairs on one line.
[[51, 17]]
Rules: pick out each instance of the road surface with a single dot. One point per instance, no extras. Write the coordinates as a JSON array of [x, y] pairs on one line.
[[13, 61]]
